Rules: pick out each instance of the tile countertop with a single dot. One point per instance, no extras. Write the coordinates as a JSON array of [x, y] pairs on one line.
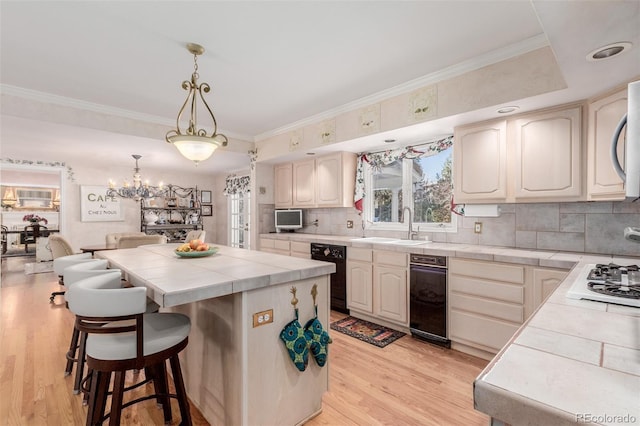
[[572, 361], [173, 280], [547, 259]]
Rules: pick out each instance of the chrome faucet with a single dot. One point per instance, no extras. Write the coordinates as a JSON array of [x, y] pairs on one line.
[[411, 233]]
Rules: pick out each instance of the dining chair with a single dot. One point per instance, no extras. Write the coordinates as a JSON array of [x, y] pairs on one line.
[[140, 240], [143, 341], [31, 233], [196, 234], [113, 237]]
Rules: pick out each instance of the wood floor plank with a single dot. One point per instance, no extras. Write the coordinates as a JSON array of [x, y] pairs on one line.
[[409, 382]]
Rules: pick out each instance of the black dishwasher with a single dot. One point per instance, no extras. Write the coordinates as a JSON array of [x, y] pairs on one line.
[[428, 298], [337, 255]]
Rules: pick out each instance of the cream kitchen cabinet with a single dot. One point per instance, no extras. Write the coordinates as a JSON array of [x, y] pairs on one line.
[[390, 286], [304, 183], [486, 305], [335, 180], [532, 157], [275, 246], [283, 185], [543, 282], [300, 249], [489, 301], [548, 155], [360, 280], [377, 286], [603, 183], [480, 165], [326, 181]]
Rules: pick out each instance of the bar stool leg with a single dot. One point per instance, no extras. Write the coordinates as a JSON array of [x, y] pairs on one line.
[[116, 398], [71, 354], [98, 397], [80, 363], [161, 385], [181, 392]]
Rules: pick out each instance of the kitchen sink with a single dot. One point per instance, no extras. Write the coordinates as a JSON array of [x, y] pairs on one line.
[[384, 240], [408, 242], [375, 239]]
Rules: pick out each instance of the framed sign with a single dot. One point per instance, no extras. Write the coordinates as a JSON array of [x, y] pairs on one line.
[[205, 197], [207, 211], [97, 206]]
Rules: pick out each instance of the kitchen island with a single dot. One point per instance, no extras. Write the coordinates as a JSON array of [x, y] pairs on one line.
[[236, 369]]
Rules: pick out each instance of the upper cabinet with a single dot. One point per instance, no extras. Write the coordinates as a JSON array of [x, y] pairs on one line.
[[283, 178], [603, 183], [528, 158], [327, 181], [548, 155], [480, 166], [304, 183]]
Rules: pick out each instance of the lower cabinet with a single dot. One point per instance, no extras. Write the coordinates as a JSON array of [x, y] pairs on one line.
[[391, 293], [377, 285], [275, 246], [489, 301], [300, 249]]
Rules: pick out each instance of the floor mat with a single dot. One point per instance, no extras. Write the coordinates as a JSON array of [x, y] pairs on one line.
[[366, 331]]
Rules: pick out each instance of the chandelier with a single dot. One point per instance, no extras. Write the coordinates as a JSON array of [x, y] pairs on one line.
[[138, 190], [195, 143]]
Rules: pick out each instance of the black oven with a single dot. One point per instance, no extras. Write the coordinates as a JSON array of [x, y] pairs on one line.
[[338, 255], [428, 298]]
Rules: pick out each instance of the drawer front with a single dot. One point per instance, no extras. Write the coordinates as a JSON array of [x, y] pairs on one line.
[[281, 245], [484, 332], [363, 255], [492, 290], [492, 308], [390, 258], [266, 244], [491, 271], [301, 248]]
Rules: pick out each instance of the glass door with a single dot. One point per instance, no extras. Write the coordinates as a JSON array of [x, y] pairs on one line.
[[239, 208]]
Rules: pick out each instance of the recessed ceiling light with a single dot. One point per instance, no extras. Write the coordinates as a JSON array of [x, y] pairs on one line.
[[608, 51], [507, 109], [311, 153], [389, 140]]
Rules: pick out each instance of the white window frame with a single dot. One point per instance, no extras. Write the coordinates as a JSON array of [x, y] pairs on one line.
[[407, 168]]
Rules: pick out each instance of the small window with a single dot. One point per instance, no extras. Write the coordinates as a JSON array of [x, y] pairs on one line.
[[428, 181]]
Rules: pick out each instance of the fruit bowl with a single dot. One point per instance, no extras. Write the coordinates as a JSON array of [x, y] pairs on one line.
[[212, 250]]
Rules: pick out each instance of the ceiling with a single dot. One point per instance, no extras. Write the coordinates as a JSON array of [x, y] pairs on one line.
[[271, 64]]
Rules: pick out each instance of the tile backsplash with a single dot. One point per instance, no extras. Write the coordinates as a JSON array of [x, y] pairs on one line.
[[584, 227]]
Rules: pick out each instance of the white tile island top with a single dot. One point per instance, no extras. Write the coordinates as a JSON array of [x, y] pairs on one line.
[[237, 371], [573, 361], [174, 280]]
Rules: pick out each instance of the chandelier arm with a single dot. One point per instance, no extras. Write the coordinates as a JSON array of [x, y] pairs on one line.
[[206, 88], [186, 85]]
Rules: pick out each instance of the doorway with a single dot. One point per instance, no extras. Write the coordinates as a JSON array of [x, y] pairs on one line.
[[239, 219]]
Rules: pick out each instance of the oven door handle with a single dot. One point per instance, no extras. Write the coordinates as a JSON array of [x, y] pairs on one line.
[[425, 268]]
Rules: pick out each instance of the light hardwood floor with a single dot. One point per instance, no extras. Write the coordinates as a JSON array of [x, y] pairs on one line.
[[409, 382]]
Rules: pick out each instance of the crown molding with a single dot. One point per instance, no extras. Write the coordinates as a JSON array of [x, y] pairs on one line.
[[49, 98], [493, 57]]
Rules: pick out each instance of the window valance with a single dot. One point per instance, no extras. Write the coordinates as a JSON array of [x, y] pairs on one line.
[[237, 185], [378, 159]]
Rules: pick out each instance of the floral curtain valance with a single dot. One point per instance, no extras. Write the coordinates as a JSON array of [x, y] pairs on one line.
[[237, 185], [379, 159]]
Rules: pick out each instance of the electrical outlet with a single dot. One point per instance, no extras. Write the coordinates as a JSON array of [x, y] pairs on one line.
[[262, 318], [349, 224], [477, 227]]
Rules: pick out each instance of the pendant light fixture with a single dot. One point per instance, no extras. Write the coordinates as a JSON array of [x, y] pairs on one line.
[[195, 143], [138, 190]]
